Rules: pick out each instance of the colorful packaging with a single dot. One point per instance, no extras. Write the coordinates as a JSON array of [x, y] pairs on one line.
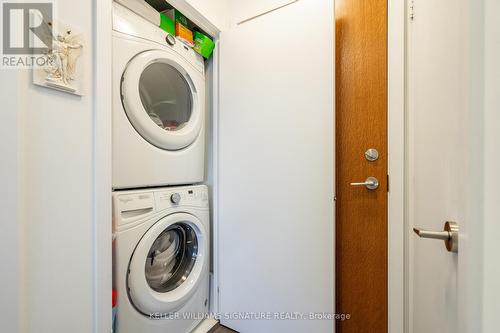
[[179, 17], [113, 313], [184, 34], [203, 44], [181, 25], [167, 24]]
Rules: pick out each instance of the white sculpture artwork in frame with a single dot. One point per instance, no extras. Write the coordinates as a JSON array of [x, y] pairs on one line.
[[62, 69]]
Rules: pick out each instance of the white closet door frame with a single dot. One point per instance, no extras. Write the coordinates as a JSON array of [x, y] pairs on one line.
[[396, 111]]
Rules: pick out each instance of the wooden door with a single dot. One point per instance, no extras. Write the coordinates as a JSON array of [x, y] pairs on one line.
[[361, 124]]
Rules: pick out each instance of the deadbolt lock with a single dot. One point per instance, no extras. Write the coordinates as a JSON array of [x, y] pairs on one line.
[[371, 154]]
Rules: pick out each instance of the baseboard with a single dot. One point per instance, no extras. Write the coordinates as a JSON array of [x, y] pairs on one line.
[[205, 326]]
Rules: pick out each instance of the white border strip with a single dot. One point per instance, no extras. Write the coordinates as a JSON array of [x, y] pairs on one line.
[[396, 157], [215, 175], [101, 63]]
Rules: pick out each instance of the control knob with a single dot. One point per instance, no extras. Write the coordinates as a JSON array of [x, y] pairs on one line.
[[175, 198]]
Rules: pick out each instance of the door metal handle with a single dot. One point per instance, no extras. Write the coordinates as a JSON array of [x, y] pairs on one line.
[[449, 235], [370, 183]]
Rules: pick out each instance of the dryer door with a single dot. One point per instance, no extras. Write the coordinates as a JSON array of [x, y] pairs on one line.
[[167, 264], [161, 99]]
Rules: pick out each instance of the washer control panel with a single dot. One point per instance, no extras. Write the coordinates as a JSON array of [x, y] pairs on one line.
[[182, 196]]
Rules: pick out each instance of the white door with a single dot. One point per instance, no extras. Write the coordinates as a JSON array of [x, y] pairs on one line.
[[275, 171], [442, 157], [491, 197]]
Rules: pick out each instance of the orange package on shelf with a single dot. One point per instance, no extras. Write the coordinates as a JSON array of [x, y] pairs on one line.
[[184, 33]]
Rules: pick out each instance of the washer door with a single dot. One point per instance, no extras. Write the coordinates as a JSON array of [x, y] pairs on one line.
[[167, 264], [161, 100]]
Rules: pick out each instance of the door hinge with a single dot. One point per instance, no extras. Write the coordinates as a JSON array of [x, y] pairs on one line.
[[387, 183], [412, 10]]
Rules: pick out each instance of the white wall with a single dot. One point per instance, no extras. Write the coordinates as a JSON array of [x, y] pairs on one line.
[[491, 273], [241, 10], [58, 211], [222, 13], [54, 156], [10, 242], [215, 11]]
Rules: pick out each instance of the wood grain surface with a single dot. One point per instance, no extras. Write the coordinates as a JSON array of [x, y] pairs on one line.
[[361, 123]]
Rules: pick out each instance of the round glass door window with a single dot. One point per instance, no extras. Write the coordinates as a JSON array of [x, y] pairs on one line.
[[171, 258], [166, 96]]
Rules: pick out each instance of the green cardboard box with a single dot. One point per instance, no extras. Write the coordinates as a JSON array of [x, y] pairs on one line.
[[203, 44], [167, 24]]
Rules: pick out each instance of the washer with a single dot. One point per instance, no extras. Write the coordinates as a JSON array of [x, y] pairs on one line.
[[158, 106], [161, 259]]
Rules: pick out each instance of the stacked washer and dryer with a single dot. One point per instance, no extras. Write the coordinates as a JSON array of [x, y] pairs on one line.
[[161, 229]]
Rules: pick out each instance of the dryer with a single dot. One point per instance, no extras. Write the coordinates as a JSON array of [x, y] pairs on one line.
[[158, 106], [161, 259]]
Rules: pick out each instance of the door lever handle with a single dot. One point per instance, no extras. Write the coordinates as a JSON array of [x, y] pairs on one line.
[[449, 235], [370, 183], [442, 235]]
